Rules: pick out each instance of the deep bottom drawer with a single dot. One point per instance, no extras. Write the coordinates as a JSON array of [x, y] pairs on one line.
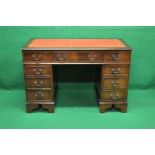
[[39, 95], [114, 95]]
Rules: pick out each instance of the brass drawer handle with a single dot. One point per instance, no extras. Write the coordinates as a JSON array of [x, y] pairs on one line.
[[92, 56], [36, 57], [37, 71], [114, 96], [39, 93], [115, 56], [60, 57], [38, 83], [115, 83], [115, 70]]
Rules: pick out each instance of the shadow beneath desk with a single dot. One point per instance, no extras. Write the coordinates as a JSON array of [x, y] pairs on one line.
[[76, 97], [75, 86]]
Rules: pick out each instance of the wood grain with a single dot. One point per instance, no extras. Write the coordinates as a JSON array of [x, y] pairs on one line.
[[114, 55]]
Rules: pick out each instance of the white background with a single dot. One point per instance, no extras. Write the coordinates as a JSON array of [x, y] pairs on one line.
[[77, 13], [77, 142]]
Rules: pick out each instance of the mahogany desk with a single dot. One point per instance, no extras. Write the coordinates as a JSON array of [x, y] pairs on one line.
[[39, 55]]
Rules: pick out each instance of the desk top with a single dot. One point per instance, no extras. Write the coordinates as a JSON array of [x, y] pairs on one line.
[[76, 44]]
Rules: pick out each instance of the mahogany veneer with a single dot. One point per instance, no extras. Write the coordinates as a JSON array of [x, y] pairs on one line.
[[113, 55]]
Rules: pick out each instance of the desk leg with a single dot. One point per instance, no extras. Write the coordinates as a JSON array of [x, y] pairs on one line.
[[109, 105], [105, 107], [31, 107], [49, 107], [121, 107]]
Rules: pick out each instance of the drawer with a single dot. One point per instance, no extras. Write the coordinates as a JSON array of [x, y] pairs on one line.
[[36, 56], [91, 57], [62, 56], [39, 95], [78, 56], [114, 95], [115, 83], [117, 57], [116, 70], [38, 82], [37, 70]]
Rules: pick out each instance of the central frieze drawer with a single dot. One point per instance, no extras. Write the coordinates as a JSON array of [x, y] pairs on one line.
[[114, 83], [38, 82], [114, 95], [78, 56], [62, 56], [39, 95], [92, 56]]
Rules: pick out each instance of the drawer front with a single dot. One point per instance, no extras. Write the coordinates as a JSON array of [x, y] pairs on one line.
[[114, 95], [91, 57], [117, 57], [78, 56], [115, 70], [39, 95], [37, 70], [115, 83], [62, 56], [37, 56], [38, 82]]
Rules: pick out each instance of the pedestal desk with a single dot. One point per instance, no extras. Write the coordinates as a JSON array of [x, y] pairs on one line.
[[39, 56]]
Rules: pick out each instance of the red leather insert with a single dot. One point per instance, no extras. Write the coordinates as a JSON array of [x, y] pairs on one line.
[[86, 43]]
